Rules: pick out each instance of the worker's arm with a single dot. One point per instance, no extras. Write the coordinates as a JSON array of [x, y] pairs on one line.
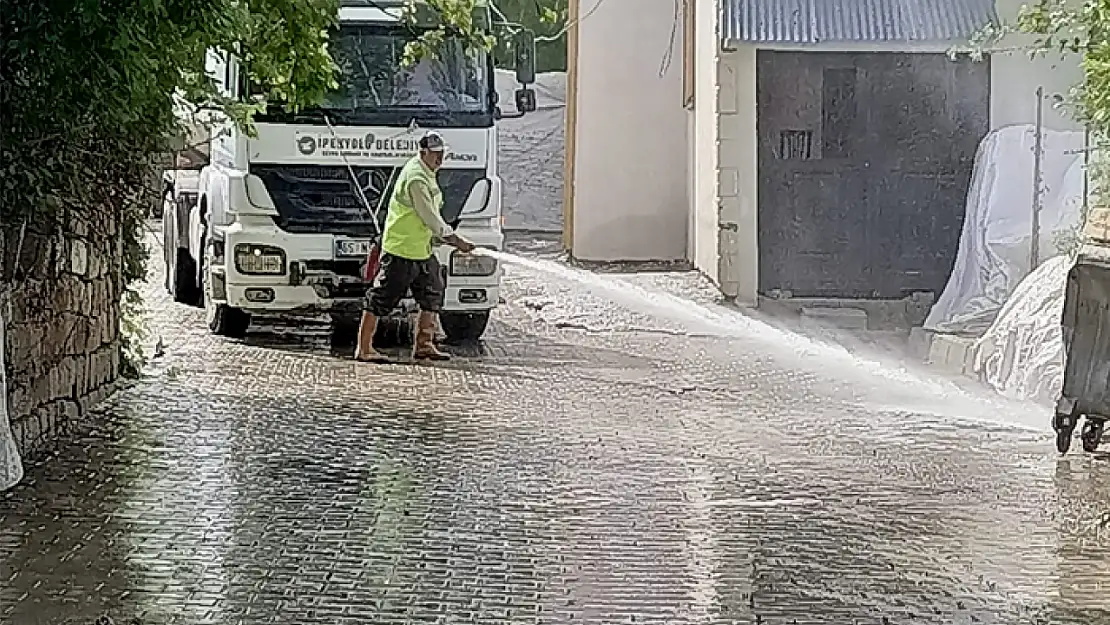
[[422, 204]]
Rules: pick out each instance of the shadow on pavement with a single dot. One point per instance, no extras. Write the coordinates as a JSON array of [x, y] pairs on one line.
[[308, 335]]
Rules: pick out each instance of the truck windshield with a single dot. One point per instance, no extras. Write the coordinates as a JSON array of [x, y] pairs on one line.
[[375, 88]]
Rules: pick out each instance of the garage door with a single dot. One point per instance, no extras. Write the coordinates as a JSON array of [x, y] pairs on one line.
[[864, 164]]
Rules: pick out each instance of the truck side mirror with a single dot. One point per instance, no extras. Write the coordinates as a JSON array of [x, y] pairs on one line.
[[524, 49]]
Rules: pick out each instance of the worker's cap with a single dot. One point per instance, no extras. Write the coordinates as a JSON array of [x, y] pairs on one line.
[[433, 142]]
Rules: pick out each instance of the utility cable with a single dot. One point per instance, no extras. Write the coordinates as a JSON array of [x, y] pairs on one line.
[[668, 56]]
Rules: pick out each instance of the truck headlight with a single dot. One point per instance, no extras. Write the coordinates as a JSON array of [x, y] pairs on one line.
[[472, 264], [254, 259]]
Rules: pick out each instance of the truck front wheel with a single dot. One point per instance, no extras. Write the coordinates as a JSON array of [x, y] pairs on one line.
[[464, 327], [185, 289], [223, 320]]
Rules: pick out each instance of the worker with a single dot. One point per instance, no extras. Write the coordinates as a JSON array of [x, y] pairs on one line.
[[412, 224]]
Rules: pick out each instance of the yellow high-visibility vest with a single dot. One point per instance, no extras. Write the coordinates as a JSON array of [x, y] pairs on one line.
[[405, 234]]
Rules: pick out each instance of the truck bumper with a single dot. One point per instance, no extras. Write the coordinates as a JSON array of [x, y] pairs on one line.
[[317, 281], [305, 299]]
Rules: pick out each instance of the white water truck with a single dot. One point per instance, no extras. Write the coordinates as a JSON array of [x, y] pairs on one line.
[[284, 220]]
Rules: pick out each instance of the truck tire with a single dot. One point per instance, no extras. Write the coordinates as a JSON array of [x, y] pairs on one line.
[[168, 261], [181, 269], [229, 322], [464, 327], [185, 290], [223, 320]]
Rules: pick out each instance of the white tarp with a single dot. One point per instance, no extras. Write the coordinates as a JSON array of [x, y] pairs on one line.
[[11, 467], [1022, 353], [994, 251]]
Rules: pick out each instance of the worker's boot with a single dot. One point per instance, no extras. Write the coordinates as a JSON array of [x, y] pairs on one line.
[[441, 336], [365, 351], [423, 345]]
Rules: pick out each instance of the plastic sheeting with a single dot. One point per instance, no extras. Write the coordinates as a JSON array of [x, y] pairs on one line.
[[994, 251], [11, 467], [1022, 354]]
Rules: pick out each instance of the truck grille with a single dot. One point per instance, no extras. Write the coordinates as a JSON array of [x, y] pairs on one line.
[[324, 198]]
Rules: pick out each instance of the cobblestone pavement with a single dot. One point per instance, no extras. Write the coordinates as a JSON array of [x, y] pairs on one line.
[[614, 468]]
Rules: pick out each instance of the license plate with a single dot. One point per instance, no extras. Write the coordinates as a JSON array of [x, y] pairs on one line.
[[351, 247], [261, 264]]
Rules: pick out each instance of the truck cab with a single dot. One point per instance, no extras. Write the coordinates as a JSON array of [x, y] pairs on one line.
[[286, 218]]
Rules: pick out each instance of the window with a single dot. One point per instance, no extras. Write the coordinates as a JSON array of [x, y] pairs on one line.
[[373, 76], [689, 33], [451, 87], [839, 113]]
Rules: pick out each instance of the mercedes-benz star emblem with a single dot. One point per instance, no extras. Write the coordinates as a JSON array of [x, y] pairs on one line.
[[373, 183]]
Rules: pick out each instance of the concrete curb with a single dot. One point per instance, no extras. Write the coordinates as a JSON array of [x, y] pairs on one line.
[[948, 352]]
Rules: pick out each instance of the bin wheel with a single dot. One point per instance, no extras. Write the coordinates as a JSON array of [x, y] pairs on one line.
[[1063, 441], [1064, 424], [1092, 435]]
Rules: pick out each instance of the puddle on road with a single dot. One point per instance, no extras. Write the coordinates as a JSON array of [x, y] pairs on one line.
[[903, 388]]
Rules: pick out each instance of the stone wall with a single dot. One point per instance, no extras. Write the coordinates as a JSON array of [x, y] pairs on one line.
[[1097, 227], [59, 298]]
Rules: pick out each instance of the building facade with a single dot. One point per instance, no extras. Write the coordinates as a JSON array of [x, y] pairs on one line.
[[829, 144]]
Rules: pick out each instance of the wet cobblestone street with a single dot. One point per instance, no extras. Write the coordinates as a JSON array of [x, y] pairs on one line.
[[590, 465]]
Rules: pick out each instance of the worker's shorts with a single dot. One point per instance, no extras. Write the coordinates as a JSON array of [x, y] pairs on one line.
[[397, 276]]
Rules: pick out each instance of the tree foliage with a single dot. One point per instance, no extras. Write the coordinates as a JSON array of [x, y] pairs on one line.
[[87, 105], [547, 19], [91, 91], [87, 89], [1071, 27], [1082, 29]]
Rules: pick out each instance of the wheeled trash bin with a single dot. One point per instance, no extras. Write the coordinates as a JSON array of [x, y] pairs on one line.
[[1086, 325]]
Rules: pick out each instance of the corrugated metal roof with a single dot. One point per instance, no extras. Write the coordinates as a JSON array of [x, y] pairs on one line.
[[814, 21]]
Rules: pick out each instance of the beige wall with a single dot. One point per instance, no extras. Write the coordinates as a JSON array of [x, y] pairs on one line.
[[630, 180], [1015, 78], [738, 241], [704, 218]]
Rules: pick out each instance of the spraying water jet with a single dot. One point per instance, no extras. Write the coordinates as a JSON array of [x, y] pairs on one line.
[[809, 352]]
